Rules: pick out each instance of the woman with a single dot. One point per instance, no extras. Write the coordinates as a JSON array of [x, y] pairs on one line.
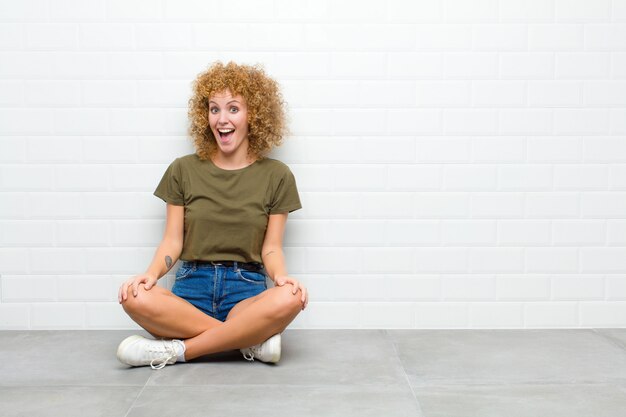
[[227, 205]]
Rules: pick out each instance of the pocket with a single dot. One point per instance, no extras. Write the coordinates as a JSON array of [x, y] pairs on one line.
[[251, 276], [185, 270]]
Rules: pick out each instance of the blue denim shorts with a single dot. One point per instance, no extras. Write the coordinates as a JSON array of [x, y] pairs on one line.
[[214, 288]]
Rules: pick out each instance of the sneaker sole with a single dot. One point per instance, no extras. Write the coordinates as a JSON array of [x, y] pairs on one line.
[[126, 342]]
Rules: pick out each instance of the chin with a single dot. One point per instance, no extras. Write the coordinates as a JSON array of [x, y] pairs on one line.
[[227, 149]]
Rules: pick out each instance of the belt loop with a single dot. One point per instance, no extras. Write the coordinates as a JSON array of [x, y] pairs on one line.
[[235, 266]]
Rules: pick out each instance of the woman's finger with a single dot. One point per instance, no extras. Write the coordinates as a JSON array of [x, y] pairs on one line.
[[150, 282], [306, 299], [141, 280]]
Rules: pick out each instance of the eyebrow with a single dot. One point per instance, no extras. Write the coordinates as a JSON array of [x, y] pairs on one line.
[[236, 101]]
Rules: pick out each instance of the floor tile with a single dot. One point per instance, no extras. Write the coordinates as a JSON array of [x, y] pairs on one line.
[[508, 356], [67, 401], [67, 357], [346, 400], [484, 373], [308, 357], [605, 400]]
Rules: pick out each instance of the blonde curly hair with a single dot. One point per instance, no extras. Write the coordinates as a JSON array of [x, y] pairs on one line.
[[266, 109]]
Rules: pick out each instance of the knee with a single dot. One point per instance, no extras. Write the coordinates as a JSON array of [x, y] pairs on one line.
[[142, 304], [288, 303]]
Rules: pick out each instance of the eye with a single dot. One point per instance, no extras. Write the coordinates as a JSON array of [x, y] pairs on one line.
[[213, 110], [234, 109]]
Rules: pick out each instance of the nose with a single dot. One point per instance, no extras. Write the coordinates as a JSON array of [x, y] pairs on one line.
[[223, 118]]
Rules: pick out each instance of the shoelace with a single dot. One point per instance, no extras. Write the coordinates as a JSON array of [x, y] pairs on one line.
[[162, 361], [250, 351]]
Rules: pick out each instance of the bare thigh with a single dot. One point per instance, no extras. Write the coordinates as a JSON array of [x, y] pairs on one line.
[[166, 315], [243, 304]]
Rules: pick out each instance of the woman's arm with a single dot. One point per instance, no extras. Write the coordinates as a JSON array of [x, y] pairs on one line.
[[172, 243], [274, 258], [166, 254], [272, 250]]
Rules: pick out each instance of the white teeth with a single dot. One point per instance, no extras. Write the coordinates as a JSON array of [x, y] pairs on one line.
[[225, 130]]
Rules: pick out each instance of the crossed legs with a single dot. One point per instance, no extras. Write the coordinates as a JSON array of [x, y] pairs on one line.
[[251, 321]]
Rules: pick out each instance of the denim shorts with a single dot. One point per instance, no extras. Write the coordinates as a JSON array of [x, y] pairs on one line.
[[214, 288]]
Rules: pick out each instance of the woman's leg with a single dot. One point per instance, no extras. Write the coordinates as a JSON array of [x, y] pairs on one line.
[[165, 315], [250, 322]]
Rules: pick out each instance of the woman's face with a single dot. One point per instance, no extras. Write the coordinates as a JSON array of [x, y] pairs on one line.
[[228, 119]]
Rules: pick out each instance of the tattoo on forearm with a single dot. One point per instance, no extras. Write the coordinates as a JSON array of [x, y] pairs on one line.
[[168, 262]]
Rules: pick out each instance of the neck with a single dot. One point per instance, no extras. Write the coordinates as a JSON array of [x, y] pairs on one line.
[[232, 161]]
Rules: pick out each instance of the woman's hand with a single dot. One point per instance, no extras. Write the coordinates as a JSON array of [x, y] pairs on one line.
[[284, 279], [147, 280]]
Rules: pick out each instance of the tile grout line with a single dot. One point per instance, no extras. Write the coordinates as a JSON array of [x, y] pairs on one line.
[[609, 338], [395, 350], [137, 397]]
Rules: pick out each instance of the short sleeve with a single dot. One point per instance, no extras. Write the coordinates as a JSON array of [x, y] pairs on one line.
[[170, 188], [286, 198]]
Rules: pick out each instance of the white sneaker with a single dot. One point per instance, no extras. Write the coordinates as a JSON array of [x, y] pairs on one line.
[[139, 351], [268, 351]]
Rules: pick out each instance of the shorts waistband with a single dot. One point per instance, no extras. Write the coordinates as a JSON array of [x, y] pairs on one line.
[[250, 266]]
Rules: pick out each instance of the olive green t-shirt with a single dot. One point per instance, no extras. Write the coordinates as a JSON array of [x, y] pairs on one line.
[[226, 211]]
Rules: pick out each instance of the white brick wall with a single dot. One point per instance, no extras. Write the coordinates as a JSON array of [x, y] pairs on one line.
[[462, 164]]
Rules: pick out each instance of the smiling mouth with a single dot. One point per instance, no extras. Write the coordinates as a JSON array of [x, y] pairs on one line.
[[225, 134]]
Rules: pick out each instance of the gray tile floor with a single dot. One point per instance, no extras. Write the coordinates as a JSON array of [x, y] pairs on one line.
[[433, 373]]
